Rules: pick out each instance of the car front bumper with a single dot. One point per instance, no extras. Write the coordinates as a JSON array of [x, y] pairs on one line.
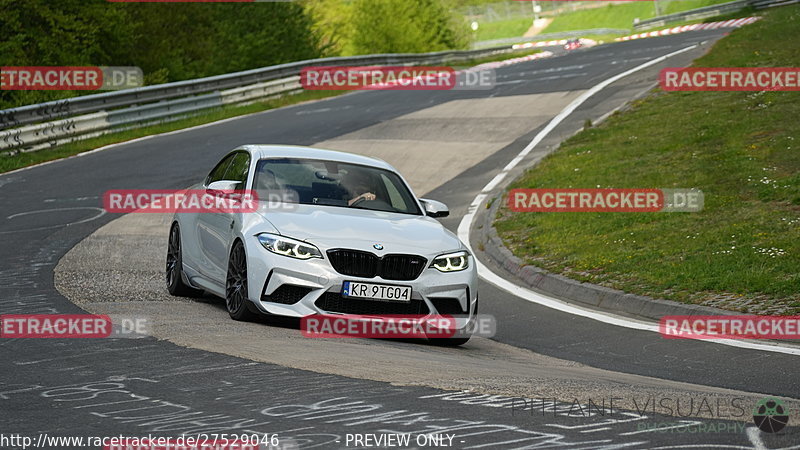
[[297, 288]]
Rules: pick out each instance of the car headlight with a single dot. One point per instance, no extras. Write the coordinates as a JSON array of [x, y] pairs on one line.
[[451, 262], [285, 246]]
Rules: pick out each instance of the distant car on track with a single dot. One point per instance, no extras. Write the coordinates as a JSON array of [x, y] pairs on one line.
[[573, 44], [347, 237]]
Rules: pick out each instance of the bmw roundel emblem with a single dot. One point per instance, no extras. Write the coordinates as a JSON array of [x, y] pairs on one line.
[[377, 246]]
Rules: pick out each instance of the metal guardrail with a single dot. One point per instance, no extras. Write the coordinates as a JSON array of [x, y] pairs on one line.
[[708, 11], [549, 36], [761, 4], [43, 125], [692, 14]]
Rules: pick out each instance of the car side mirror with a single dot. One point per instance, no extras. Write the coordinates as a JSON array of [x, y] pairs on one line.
[[222, 187], [434, 208]]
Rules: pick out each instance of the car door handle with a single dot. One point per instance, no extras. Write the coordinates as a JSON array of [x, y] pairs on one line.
[[232, 222]]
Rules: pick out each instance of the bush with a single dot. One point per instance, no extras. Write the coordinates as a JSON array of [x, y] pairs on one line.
[[406, 26], [169, 41]]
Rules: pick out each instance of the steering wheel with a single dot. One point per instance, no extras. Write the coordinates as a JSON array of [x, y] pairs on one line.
[[358, 202]]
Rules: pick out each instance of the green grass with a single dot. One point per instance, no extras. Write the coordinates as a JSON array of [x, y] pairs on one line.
[[685, 5], [745, 12], [503, 29], [610, 16], [619, 15], [19, 160], [742, 252]]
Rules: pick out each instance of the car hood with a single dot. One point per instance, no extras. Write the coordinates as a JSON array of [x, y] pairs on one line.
[[337, 227]]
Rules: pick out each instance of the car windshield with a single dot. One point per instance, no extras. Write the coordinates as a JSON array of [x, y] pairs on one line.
[[332, 183]]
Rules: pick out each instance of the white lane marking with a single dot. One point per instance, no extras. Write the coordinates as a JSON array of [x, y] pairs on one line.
[[694, 446], [755, 439], [554, 77], [218, 122], [569, 110], [540, 71], [323, 110], [168, 133], [64, 200], [101, 212], [559, 305]]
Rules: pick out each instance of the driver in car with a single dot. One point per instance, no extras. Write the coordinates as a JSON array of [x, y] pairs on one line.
[[358, 187]]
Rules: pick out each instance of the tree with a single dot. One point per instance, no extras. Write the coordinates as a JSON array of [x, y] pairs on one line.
[[168, 41], [406, 26]]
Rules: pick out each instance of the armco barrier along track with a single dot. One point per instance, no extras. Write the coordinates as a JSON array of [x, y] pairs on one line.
[[49, 124]]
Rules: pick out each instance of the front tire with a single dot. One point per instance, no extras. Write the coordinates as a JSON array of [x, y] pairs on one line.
[[236, 285], [174, 270], [455, 341], [450, 342]]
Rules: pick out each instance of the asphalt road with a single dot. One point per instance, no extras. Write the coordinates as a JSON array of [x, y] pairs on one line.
[[135, 387]]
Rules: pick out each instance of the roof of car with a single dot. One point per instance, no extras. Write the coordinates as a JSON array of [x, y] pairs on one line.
[[295, 151]]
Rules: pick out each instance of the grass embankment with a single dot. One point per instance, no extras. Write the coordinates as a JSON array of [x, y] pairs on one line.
[[510, 28], [742, 252], [618, 15], [17, 161]]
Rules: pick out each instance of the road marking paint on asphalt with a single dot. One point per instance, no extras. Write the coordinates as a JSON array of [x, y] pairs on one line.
[[569, 110], [100, 212], [553, 303], [696, 446], [492, 65], [755, 439], [452, 136], [681, 424]]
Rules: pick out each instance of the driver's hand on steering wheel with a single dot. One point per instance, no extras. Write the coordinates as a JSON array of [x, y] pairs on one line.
[[364, 196]]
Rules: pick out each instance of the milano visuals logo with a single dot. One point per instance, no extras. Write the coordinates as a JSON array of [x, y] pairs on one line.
[[770, 415]]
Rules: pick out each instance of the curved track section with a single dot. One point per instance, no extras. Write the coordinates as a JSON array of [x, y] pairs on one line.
[[130, 284], [205, 374]]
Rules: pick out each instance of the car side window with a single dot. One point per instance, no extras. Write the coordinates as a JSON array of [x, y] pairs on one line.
[[238, 169], [218, 173]]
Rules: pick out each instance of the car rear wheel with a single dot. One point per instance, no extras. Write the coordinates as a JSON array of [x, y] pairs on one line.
[[236, 285], [174, 270]]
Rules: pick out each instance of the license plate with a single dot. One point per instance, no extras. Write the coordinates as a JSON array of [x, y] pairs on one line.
[[376, 291]]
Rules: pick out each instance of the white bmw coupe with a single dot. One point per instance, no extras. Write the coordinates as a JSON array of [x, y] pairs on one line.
[[333, 233]]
